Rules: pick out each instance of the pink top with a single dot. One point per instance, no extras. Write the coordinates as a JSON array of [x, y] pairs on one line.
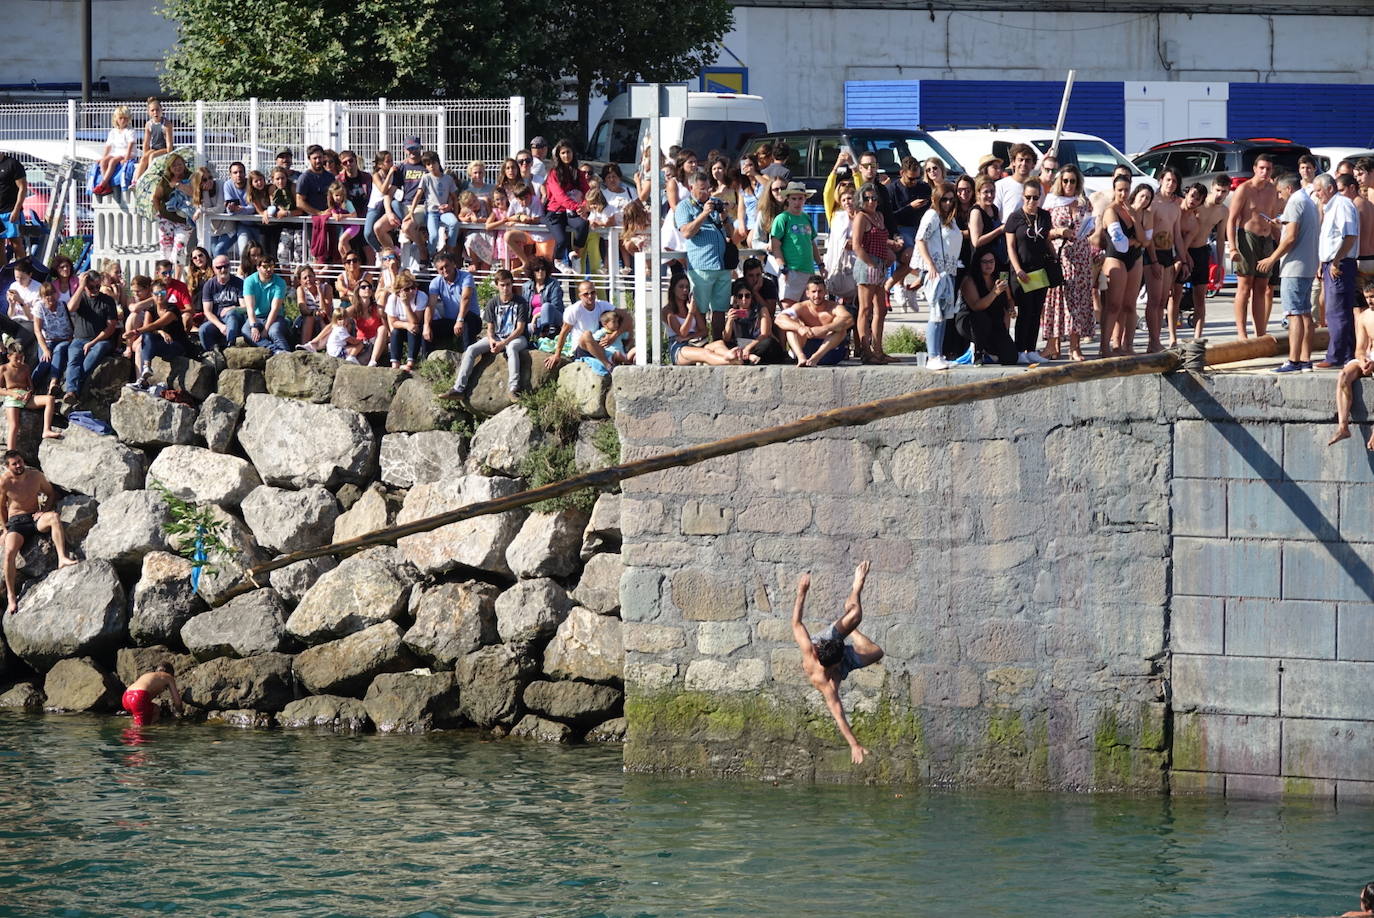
[[564, 201]]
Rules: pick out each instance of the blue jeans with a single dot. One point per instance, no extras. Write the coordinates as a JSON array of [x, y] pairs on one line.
[[475, 350], [369, 228], [47, 370], [223, 244], [434, 219], [569, 231], [275, 338], [400, 337], [80, 365], [154, 345]]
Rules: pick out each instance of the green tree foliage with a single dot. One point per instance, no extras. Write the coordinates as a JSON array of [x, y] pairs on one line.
[[351, 49]]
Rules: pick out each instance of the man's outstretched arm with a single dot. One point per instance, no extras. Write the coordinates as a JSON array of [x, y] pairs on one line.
[[832, 701], [799, 631]]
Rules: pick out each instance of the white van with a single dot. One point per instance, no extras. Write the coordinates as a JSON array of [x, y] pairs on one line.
[[715, 121], [1093, 156]]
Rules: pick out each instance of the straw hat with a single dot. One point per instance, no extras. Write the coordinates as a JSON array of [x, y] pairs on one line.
[[797, 188]]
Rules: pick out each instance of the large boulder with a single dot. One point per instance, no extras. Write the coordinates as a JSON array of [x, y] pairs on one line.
[[415, 407], [131, 524], [164, 599], [22, 697], [79, 684], [245, 625], [132, 662], [480, 542], [489, 392], [369, 513], [490, 681], [586, 387], [285, 521], [92, 464], [368, 390], [224, 568], [413, 702], [610, 731], [194, 377], [204, 476], [503, 442], [330, 713], [587, 454], [246, 358], [533, 727], [578, 703], [244, 719], [78, 513], [603, 530], [348, 665], [531, 610], [37, 559], [301, 375], [263, 682], [408, 459], [294, 444], [30, 435], [143, 419], [104, 385], [548, 544], [451, 620], [599, 588], [293, 581], [366, 589], [218, 421], [587, 647], [237, 385], [73, 612]]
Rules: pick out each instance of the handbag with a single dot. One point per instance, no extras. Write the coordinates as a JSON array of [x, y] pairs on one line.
[[841, 281], [731, 257]]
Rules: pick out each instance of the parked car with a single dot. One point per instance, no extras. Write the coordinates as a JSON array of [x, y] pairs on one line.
[[1201, 159], [812, 153], [1093, 156], [1329, 157], [715, 121]]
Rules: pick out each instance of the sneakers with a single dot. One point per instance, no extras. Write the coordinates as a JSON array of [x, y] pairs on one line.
[[1025, 358], [307, 346], [1307, 367], [966, 359], [1289, 366], [937, 363], [145, 379], [562, 267], [453, 395]]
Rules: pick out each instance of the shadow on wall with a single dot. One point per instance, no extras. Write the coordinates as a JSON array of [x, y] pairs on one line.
[[1271, 471]]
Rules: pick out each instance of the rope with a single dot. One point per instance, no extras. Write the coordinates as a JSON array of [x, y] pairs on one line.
[[1194, 355]]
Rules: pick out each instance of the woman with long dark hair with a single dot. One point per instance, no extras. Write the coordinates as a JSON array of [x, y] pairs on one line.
[[566, 211]]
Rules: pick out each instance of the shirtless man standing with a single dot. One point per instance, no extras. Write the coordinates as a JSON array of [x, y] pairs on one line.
[[827, 659], [139, 697], [1250, 231], [816, 327], [1364, 206], [1195, 257], [24, 495], [1163, 257]]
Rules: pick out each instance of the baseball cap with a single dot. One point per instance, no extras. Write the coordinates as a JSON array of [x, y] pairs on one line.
[[413, 143], [538, 142], [283, 152]]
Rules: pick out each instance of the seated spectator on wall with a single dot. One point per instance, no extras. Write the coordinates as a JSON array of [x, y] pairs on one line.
[[52, 329], [219, 296], [816, 327], [264, 309], [685, 327], [580, 321], [95, 326], [408, 320], [163, 334], [749, 325], [544, 291], [453, 297], [505, 321]]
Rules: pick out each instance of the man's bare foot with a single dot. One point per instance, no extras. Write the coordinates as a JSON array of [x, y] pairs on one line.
[[52, 435], [1370, 445], [13, 607], [1342, 433], [67, 562], [860, 573]]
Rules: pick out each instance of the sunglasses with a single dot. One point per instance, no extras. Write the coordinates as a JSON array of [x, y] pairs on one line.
[[1032, 197], [523, 161], [221, 267], [948, 199], [388, 258], [744, 295], [350, 261]]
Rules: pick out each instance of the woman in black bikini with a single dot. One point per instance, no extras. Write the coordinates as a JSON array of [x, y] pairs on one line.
[[1122, 267]]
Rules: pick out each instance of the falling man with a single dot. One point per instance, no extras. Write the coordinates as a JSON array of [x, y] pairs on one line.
[[827, 659]]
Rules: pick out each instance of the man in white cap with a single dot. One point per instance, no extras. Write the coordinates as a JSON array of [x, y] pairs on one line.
[[792, 240], [539, 167]]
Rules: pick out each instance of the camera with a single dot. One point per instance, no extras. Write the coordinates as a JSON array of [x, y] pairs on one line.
[[715, 202]]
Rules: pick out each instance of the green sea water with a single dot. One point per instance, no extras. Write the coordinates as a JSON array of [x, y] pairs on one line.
[[99, 819]]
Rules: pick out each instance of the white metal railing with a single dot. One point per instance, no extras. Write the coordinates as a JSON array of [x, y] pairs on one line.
[[251, 131]]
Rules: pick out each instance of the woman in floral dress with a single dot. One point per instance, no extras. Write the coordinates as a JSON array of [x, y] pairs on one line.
[[1069, 308]]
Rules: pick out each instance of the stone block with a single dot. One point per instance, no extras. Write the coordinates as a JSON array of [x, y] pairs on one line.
[[1283, 628], [218, 421], [1308, 458], [1359, 793], [648, 677], [702, 518], [705, 597], [642, 517], [203, 476], [1199, 507], [640, 593], [942, 686], [773, 515], [1355, 631], [641, 637], [599, 587], [603, 530], [367, 390], [131, 524], [237, 385], [246, 358], [1205, 449], [415, 408], [548, 544], [1225, 743], [301, 375], [587, 387], [504, 441], [1282, 510], [194, 377], [1197, 624], [1329, 749], [1197, 783], [1225, 685], [1002, 642], [1357, 512], [588, 647], [718, 676], [1214, 567], [720, 639], [488, 391], [142, 419], [810, 466], [285, 521], [480, 542], [1329, 570], [408, 459], [295, 444], [368, 514], [88, 463], [1334, 689]]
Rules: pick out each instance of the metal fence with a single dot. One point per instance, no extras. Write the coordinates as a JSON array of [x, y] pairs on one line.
[[252, 131]]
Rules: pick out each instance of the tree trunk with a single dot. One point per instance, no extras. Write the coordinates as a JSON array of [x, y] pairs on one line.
[[584, 104]]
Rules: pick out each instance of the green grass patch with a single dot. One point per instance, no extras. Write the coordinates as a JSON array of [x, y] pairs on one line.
[[606, 439], [553, 411], [438, 373], [550, 462], [904, 341]]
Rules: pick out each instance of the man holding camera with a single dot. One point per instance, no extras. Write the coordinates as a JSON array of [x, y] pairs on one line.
[[700, 219], [792, 240]]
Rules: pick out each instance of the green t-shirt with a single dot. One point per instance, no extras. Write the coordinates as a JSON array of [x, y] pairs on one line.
[[796, 234]]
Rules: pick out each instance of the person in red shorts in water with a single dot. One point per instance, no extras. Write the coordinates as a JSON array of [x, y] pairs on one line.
[[139, 698]]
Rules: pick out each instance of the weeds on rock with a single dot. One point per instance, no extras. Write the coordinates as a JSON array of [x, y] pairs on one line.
[[553, 411], [192, 528], [553, 461], [904, 341], [438, 373], [606, 439]]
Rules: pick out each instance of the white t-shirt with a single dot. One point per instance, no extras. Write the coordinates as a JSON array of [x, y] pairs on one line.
[[121, 140], [617, 199], [338, 340], [27, 295], [395, 306], [942, 241], [583, 319], [1008, 195]]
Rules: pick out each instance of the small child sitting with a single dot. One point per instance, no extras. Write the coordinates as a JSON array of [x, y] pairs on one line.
[[607, 347]]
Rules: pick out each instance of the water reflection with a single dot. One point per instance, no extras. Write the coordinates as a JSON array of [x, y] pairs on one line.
[[272, 823]]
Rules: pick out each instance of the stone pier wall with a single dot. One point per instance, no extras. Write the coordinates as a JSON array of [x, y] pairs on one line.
[[1123, 584]]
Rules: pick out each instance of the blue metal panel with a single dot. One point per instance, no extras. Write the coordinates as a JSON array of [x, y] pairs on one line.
[[892, 104], [1314, 114], [1094, 108]]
